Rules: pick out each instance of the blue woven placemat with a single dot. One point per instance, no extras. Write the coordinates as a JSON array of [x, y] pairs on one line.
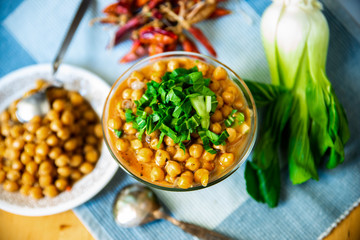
[[31, 32]]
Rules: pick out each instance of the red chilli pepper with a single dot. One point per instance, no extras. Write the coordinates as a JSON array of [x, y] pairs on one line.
[[220, 12], [131, 24], [198, 34], [137, 51], [189, 46], [152, 35]]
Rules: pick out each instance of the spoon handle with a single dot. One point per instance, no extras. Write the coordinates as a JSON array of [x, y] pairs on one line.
[[65, 44], [194, 230]]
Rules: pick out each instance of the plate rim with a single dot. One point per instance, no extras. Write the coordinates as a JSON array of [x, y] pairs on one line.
[[107, 176]]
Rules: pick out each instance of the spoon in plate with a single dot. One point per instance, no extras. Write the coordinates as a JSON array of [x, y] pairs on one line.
[[136, 205], [37, 104]]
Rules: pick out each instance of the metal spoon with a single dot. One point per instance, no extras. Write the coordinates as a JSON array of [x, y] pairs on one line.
[[38, 104], [136, 205]]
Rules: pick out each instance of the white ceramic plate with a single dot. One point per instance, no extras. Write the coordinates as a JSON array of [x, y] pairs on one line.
[[95, 90]]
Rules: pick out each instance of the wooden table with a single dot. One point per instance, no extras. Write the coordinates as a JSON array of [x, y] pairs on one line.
[[65, 226]]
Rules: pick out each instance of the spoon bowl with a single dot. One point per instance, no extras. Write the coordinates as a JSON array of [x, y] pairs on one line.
[[136, 205]]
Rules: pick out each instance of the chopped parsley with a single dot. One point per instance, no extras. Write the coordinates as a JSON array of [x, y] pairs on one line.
[[181, 104]]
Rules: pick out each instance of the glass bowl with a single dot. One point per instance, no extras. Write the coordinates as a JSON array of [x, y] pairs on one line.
[[248, 145]]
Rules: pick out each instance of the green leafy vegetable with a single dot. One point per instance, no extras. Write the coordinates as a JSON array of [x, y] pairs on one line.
[[118, 133], [181, 104], [301, 106]]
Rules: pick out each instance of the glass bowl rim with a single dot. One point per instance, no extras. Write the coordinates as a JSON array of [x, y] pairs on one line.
[[178, 54]]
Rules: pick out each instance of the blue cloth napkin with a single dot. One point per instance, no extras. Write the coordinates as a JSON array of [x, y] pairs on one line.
[[31, 32]]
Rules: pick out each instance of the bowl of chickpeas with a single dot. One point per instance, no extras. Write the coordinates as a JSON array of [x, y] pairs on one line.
[[54, 162], [179, 121]]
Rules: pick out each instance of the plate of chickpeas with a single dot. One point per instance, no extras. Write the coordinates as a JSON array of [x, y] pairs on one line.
[[180, 121], [55, 162]]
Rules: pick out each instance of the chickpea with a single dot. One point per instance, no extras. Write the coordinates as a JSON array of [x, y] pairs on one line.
[[45, 168], [67, 118], [36, 119], [181, 155], [148, 110], [185, 180], [137, 75], [203, 68], [87, 148], [208, 165], [226, 110], [157, 174], [29, 148], [75, 175], [161, 157], [53, 115], [128, 128], [136, 144], [36, 193], [66, 171], [220, 102], [222, 148], [232, 134], [219, 73], [55, 152], [63, 134], [170, 179], [98, 131], [16, 131], [70, 145], [27, 179], [52, 140], [214, 86], [4, 117], [10, 186], [76, 99], [5, 130], [89, 115], [171, 150], [173, 168], [50, 191], [137, 94], [144, 155], [156, 76], [243, 129], [61, 184], [216, 128], [2, 175], [192, 164], [208, 156], [154, 144], [17, 165], [217, 116], [11, 153], [92, 156], [25, 158], [169, 141], [18, 143], [196, 150], [62, 160], [127, 94], [28, 137], [202, 176], [32, 127], [228, 97], [25, 190], [122, 144], [238, 104], [56, 125], [9, 141], [42, 149], [76, 160], [159, 66], [86, 168], [59, 105], [172, 65], [45, 180], [43, 132], [38, 159], [226, 159], [13, 175]]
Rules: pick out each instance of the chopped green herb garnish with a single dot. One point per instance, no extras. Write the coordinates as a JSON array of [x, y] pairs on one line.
[[118, 133], [181, 104], [235, 119]]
